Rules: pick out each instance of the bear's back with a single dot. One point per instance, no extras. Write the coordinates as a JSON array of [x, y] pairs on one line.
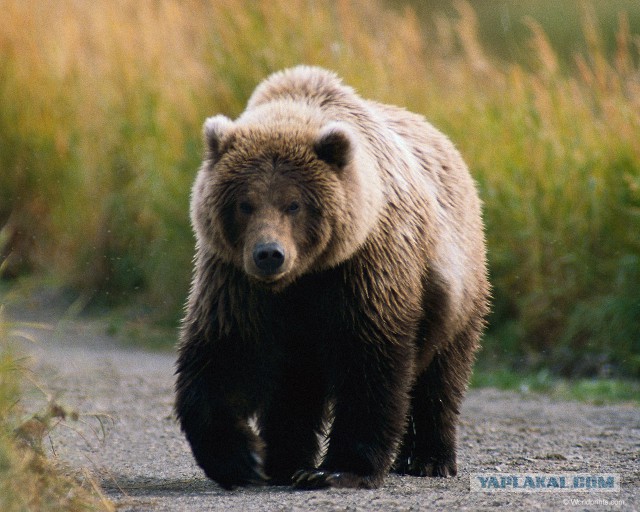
[[433, 193], [307, 84]]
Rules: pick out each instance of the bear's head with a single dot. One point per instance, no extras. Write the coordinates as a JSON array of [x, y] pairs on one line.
[[281, 198]]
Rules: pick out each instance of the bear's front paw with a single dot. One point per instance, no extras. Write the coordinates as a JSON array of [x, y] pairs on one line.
[[241, 469], [415, 466], [321, 479]]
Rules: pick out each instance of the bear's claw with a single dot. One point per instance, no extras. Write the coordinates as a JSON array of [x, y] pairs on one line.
[[414, 466], [313, 479], [245, 470], [321, 479]]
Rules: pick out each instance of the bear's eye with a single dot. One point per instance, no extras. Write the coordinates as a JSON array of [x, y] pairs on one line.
[[245, 207], [293, 207]]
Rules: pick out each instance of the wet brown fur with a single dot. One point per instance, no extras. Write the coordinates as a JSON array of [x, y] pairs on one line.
[[377, 310]]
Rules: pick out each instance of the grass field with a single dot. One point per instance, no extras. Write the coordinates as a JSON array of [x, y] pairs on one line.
[[101, 105]]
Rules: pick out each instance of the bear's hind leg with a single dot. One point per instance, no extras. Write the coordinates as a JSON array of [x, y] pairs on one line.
[[291, 424], [429, 444]]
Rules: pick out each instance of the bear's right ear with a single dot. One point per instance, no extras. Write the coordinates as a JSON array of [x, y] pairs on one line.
[[334, 144], [214, 130]]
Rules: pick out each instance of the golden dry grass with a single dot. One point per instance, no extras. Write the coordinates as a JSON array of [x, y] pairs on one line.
[[28, 479]]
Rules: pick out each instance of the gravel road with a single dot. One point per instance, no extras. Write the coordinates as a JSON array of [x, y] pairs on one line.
[[143, 462]]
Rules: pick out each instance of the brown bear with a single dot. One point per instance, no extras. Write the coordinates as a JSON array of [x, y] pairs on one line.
[[339, 290]]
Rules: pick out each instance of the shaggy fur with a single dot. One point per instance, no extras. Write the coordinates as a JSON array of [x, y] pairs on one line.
[[339, 279]]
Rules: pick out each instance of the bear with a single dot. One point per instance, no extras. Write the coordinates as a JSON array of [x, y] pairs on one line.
[[338, 295]]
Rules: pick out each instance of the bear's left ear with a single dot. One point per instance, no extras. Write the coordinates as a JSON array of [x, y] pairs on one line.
[[334, 144]]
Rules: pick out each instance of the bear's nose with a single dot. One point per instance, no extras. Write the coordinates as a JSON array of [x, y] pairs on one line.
[[268, 257]]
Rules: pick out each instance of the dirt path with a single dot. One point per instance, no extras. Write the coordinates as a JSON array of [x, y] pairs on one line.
[[144, 463]]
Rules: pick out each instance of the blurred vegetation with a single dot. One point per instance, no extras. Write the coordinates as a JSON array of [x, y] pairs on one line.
[[28, 479], [597, 390], [503, 30], [101, 105]]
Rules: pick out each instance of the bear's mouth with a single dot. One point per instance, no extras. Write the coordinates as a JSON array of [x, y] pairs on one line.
[[273, 282], [268, 278]]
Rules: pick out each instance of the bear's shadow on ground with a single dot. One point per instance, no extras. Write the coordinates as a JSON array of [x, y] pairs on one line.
[[121, 487], [126, 485], [116, 486]]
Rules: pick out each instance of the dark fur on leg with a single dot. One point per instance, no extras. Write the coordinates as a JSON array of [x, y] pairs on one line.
[[291, 424], [429, 444], [213, 403], [363, 438]]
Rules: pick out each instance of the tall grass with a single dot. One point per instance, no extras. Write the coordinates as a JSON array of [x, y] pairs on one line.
[[28, 479], [562, 187], [100, 111], [503, 32]]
